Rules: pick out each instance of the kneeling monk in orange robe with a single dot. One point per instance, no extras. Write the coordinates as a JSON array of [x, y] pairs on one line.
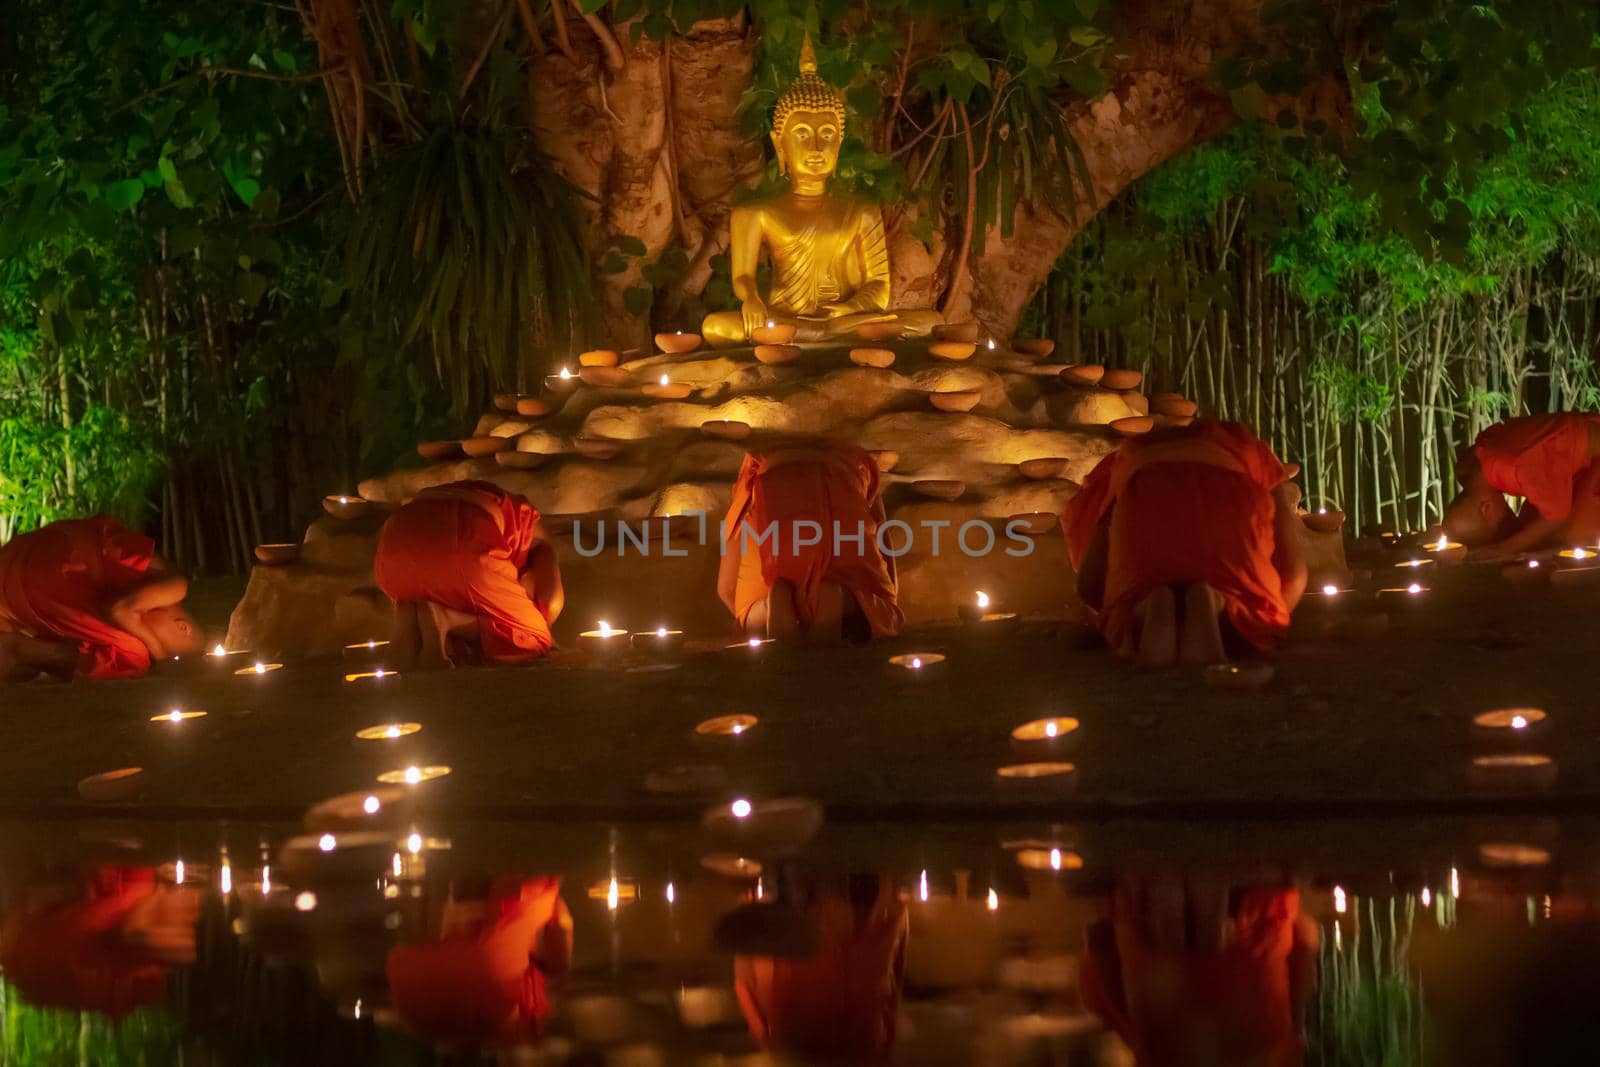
[[485, 978], [1547, 460], [1180, 526], [469, 560], [91, 596], [1203, 974], [801, 555]]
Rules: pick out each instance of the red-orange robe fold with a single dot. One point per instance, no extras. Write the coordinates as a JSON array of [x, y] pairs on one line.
[[463, 546], [72, 955], [482, 980], [1187, 504], [56, 581], [1234, 1006], [838, 1006], [834, 486], [1541, 458]]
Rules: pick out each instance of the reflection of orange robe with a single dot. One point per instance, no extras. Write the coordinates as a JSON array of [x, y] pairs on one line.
[[1234, 1007], [462, 546], [839, 1005], [1187, 504], [55, 582], [834, 486], [1540, 458], [481, 980], [72, 956]]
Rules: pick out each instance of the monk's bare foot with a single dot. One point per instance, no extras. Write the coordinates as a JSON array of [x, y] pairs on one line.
[[406, 636], [828, 625], [1158, 629], [1201, 640], [783, 618], [433, 653]]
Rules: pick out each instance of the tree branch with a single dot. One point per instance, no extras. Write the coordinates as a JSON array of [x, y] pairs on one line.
[[602, 33]]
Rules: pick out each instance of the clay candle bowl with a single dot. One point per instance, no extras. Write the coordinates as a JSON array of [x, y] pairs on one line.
[[665, 388], [956, 401], [519, 461], [413, 775], [1083, 374], [506, 402], [388, 731], [1512, 771], [1043, 469], [604, 377], [1133, 425], [597, 447], [603, 641], [1579, 555], [964, 332], [1034, 523], [346, 507], [535, 407], [777, 355], [1121, 380], [434, 451], [917, 664], [562, 381], [600, 357], [377, 674], [726, 726], [112, 787], [1037, 347], [658, 642], [1402, 597], [476, 447], [879, 331], [1043, 735], [675, 344], [1509, 724], [939, 488], [955, 351], [1447, 552], [725, 429], [362, 651], [177, 716], [872, 357], [277, 555], [773, 334], [221, 661], [1173, 405], [1322, 520]]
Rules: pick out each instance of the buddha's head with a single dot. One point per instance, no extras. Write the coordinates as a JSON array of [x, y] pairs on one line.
[[808, 123]]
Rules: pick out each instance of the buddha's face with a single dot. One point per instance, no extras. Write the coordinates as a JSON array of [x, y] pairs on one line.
[[808, 147]]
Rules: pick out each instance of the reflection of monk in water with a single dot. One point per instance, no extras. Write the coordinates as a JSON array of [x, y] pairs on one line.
[[1203, 975], [485, 978], [838, 1006], [104, 945]]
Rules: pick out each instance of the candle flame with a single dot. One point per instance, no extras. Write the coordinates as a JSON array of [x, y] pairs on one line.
[[414, 843], [371, 805], [983, 600], [305, 901], [738, 728], [1455, 882], [1330, 590], [1322, 511], [916, 663], [1413, 588], [1518, 722], [993, 902], [1338, 899], [991, 344], [372, 644], [770, 324], [1050, 729], [741, 809], [1579, 553], [663, 379], [672, 894], [175, 715], [613, 895], [266, 879], [1533, 564], [393, 731], [661, 631], [1427, 896], [761, 888], [1055, 859], [218, 650], [227, 876], [565, 374], [177, 873], [327, 843], [605, 628], [413, 775], [394, 864], [261, 668], [755, 642], [922, 886]]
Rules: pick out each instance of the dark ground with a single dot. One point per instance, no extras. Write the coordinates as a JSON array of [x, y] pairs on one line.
[[1382, 724]]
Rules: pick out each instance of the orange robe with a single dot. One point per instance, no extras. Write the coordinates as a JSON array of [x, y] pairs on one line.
[[1544, 459], [1235, 1006], [72, 956], [830, 484], [838, 1006], [482, 979], [56, 581], [1187, 504], [463, 546]]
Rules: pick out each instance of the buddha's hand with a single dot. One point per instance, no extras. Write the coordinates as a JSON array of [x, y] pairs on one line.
[[755, 316]]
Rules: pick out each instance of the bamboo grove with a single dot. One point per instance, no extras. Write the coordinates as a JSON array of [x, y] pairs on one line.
[[1270, 292]]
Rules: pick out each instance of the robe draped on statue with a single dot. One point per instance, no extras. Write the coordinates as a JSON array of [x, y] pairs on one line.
[[56, 581], [1545, 459], [838, 1006], [1187, 504], [830, 484], [1234, 1005], [72, 955], [483, 979], [463, 546]]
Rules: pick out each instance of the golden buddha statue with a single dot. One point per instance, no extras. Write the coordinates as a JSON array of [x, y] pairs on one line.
[[830, 257]]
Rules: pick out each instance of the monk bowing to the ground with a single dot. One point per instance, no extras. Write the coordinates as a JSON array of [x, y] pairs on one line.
[[89, 596], [1547, 460], [467, 563], [801, 556], [1185, 543]]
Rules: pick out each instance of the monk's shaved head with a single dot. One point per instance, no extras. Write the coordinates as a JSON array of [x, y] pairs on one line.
[[176, 629]]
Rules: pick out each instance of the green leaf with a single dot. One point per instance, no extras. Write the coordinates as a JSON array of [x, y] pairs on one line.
[[637, 299], [630, 245], [124, 194]]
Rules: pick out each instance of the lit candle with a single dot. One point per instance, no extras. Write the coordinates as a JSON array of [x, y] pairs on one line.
[[741, 809], [726, 725], [371, 805], [566, 375], [305, 900], [259, 669], [672, 894], [177, 872], [414, 843], [1510, 722], [225, 878], [1045, 729], [388, 731], [327, 842], [413, 775], [1338, 899], [1330, 590], [364, 649], [917, 662], [991, 344], [176, 716], [657, 642], [922, 886], [603, 639], [377, 675], [1426, 896], [993, 901]]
